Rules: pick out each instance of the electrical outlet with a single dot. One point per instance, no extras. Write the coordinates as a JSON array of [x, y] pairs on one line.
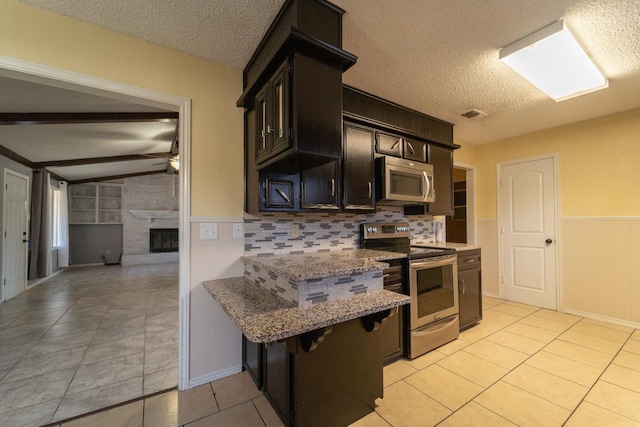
[[209, 231], [108, 252], [237, 231], [295, 231]]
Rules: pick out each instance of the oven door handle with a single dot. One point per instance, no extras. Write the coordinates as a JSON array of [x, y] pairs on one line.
[[430, 263], [434, 327]]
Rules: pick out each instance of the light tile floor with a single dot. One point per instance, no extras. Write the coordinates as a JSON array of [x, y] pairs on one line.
[[88, 338], [520, 366]]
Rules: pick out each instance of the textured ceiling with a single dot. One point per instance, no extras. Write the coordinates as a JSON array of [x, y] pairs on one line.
[[438, 57]]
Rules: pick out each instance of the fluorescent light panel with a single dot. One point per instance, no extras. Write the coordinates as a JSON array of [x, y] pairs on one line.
[[552, 60]]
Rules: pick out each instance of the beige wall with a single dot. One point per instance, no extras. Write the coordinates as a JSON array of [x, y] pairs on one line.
[[598, 171], [33, 35], [599, 199]]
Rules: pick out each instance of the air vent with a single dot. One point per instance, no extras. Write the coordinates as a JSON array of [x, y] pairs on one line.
[[473, 113]]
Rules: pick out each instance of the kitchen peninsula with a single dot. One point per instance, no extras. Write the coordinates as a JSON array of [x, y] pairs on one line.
[[328, 348]]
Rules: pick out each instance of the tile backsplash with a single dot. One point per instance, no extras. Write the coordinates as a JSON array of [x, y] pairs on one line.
[[270, 233]]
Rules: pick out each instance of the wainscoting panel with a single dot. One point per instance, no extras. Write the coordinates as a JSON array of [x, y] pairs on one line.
[[600, 267], [488, 240]]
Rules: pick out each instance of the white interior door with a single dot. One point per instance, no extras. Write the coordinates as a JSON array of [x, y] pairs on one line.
[[528, 232], [14, 253]]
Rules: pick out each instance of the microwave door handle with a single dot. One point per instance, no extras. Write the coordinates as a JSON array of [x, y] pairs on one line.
[[427, 184]]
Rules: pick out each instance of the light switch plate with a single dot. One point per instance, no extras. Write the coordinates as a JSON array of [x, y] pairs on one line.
[[209, 231], [237, 230]]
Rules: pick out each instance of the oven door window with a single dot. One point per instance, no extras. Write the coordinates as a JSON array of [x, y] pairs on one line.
[[435, 290], [406, 184]]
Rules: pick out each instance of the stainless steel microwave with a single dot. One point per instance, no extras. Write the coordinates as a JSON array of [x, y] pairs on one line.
[[404, 182]]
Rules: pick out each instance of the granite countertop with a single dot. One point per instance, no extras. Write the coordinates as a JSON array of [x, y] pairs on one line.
[[319, 265], [451, 245], [265, 317]]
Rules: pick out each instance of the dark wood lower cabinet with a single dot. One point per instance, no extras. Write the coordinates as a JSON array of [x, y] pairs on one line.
[[334, 384], [253, 360], [469, 287]]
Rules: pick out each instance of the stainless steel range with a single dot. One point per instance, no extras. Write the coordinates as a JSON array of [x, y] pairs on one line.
[[431, 282]]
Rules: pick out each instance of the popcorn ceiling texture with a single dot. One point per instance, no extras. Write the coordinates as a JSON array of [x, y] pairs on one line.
[[448, 62]]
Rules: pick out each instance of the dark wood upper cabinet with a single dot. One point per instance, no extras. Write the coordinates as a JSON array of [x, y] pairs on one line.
[[321, 187], [442, 160], [415, 150], [293, 83], [272, 112], [389, 145], [383, 114], [358, 167]]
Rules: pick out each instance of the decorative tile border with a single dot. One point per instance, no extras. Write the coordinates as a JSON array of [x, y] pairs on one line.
[[270, 233], [311, 292]]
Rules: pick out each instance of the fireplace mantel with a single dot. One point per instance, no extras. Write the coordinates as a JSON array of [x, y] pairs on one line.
[[151, 215]]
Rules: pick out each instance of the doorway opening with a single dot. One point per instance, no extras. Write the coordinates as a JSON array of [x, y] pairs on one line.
[[25, 71], [462, 226]]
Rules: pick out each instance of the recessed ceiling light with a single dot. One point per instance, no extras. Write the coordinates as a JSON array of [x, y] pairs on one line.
[[552, 60]]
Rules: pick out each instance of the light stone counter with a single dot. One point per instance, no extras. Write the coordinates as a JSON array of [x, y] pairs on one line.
[[264, 317], [320, 265], [451, 245]]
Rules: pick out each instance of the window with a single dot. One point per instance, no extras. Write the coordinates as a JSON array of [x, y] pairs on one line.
[[56, 224]]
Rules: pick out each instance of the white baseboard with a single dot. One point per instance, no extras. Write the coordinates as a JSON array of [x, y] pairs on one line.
[[43, 279], [602, 318], [491, 294], [194, 382]]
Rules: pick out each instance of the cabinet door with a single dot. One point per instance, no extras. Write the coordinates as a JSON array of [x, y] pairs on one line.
[[391, 332], [469, 296], [415, 150], [277, 379], [280, 104], [388, 144], [252, 360], [442, 160], [278, 191], [263, 126], [320, 187], [358, 167]]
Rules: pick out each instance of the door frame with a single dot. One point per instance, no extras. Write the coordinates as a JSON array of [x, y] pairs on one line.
[[36, 73], [555, 157], [472, 197], [8, 171]]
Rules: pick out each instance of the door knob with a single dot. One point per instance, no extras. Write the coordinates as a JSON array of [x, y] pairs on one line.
[[548, 242]]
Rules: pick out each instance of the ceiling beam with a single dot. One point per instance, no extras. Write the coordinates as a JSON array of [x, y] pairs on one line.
[[4, 151], [112, 177], [96, 160], [77, 118]]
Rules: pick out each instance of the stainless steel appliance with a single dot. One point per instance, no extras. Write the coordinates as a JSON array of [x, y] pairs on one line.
[[404, 181], [432, 318]]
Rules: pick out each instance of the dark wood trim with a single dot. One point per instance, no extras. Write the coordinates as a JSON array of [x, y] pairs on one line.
[[55, 176], [96, 160], [76, 118], [16, 157], [109, 178]]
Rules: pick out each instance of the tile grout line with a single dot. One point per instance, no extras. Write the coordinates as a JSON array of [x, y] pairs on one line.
[[598, 379]]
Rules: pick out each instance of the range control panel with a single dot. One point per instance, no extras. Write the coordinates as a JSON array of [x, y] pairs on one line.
[[385, 230]]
